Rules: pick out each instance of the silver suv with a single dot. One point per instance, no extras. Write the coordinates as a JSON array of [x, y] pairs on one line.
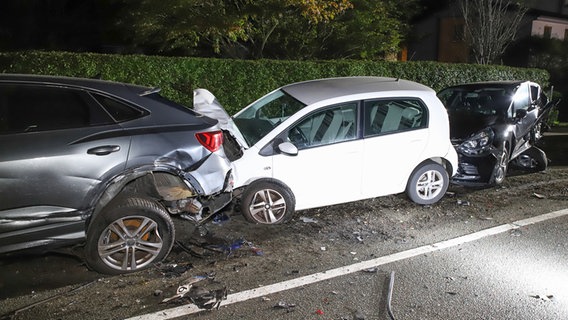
[[106, 162]]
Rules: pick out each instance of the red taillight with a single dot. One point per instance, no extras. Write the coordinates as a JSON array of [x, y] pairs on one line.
[[212, 140]]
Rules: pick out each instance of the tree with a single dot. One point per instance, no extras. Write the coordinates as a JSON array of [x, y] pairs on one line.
[[491, 25], [234, 28], [374, 29], [288, 29]]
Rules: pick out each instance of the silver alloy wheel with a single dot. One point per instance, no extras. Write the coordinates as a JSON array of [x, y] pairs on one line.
[[501, 170], [267, 206], [130, 243], [430, 184]]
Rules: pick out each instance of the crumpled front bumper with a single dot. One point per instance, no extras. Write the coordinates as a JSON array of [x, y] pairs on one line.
[[476, 170]]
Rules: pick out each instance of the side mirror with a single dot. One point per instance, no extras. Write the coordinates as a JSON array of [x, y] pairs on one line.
[[288, 148]]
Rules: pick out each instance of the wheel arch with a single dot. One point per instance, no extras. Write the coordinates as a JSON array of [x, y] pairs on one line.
[[140, 182], [439, 160]]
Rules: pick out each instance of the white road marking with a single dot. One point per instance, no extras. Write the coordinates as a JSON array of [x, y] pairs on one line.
[[325, 275]]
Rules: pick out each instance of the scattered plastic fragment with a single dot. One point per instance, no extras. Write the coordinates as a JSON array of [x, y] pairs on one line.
[[544, 297], [462, 202], [257, 251], [308, 220], [220, 218], [358, 316], [389, 296], [174, 270], [184, 289], [323, 248], [538, 195], [284, 305], [202, 297], [371, 270], [319, 311]]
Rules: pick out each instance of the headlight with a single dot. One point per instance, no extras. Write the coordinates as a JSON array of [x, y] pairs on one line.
[[478, 143]]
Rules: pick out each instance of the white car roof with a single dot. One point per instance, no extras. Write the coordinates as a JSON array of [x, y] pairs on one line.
[[309, 92]]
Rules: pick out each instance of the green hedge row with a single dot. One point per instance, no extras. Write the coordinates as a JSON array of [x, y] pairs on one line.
[[236, 83]]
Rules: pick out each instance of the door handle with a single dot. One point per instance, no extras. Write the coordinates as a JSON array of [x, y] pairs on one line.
[[103, 150]]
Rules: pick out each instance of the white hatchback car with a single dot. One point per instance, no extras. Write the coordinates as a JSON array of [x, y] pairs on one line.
[[330, 141]]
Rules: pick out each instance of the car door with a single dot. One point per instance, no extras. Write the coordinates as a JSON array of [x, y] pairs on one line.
[[526, 115], [327, 168], [57, 146], [395, 136]]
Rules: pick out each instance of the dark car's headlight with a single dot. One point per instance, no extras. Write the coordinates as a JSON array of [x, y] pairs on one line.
[[478, 143]]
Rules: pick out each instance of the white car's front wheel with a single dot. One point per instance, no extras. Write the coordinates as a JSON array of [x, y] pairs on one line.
[[267, 202], [428, 183]]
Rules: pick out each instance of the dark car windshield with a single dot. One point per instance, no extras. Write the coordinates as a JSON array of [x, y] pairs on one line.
[[486, 101]]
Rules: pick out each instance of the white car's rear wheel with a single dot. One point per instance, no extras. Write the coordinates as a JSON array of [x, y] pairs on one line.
[[267, 202], [428, 183]]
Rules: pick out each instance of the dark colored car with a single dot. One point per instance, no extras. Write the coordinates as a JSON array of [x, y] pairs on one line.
[[105, 162], [493, 124]]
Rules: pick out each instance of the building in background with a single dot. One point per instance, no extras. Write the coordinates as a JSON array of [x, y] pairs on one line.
[[440, 35]]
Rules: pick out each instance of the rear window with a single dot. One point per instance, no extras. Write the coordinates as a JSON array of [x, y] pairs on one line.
[[118, 111], [394, 115]]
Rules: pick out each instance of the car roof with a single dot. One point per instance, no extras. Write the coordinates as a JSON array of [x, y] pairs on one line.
[[309, 92], [111, 87]]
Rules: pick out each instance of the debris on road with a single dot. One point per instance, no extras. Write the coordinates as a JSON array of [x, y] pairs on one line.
[[371, 270], [174, 270], [389, 296], [220, 218], [284, 305], [543, 297], [308, 220], [538, 196], [202, 297]]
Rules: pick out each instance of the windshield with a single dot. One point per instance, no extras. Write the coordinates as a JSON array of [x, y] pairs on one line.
[[485, 101], [258, 119]]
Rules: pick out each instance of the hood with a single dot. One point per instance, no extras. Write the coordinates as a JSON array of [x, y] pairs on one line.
[[205, 103], [464, 124]]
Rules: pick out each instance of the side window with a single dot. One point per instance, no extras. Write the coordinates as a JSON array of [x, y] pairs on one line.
[[521, 98], [538, 98], [28, 108], [392, 115], [329, 126]]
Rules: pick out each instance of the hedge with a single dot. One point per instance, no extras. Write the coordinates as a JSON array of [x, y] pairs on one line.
[[236, 83]]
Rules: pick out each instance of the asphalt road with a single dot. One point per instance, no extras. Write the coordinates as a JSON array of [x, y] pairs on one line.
[[511, 271]]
